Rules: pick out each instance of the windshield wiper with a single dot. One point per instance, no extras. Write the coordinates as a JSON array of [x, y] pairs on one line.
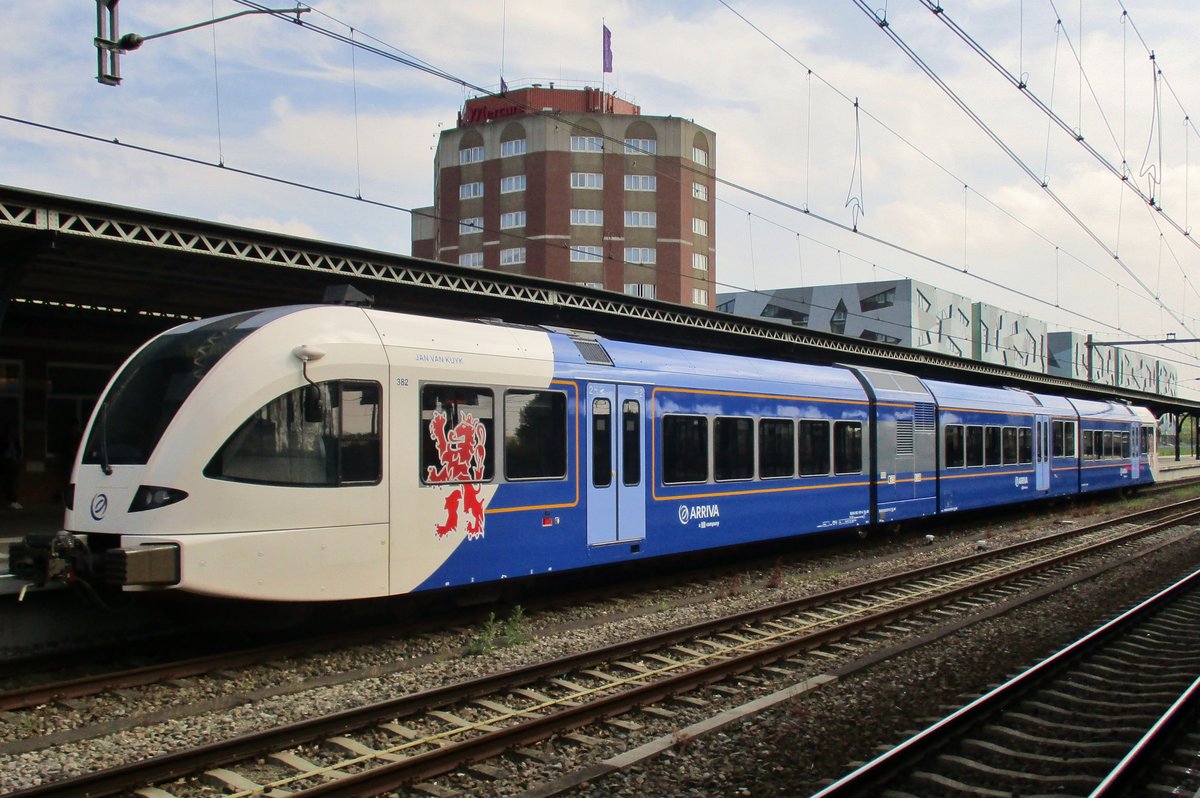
[[105, 466]]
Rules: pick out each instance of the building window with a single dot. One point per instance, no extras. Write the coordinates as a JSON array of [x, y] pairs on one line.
[[700, 296], [699, 261], [700, 156], [470, 190], [580, 254], [512, 255], [700, 191], [871, 335], [587, 144], [587, 180], [699, 226], [796, 318], [884, 299], [837, 323], [640, 255], [511, 148], [641, 218], [470, 155], [640, 146], [472, 225], [640, 289], [512, 184], [641, 182], [472, 259], [513, 219], [587, 216]]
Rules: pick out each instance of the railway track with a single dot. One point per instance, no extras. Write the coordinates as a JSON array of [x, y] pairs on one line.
[[421, 736], [34, 691], [1104, 715]]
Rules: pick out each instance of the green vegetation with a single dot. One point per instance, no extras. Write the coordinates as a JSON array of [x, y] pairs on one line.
[[501, 634]]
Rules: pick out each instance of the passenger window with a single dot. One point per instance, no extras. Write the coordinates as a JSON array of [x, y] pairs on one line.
[[1064, 438], [955, 451], [314, 436], [733, 448], [776, 448], [1025, 444], [991, 446], [535, 435], [974, 446], [631, 446], [601, 443], [456, 431], [814, 448], [847, 447], [1010, 446], [685, 449], [1089, 452]]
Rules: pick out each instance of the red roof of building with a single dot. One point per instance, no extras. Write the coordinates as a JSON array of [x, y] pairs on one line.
[[518, 102]]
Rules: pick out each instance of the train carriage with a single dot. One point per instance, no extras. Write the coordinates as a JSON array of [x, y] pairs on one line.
[[332, 452], [997, 446], [1116, 445]]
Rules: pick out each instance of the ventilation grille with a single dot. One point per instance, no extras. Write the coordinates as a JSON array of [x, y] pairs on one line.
[[904, 438], [593, 352], [923, 416]]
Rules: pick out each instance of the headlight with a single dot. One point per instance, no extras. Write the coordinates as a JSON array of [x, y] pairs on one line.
[[150, 497]]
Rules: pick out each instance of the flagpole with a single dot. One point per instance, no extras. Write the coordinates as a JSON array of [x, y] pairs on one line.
[[603, 74]]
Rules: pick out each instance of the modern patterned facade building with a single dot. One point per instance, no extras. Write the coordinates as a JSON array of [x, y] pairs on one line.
[[903, 312], [918, 315], [578, 186]]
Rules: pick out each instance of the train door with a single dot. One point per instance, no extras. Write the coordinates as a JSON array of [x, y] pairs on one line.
[[1041, 452], [616, 473], [1135, 450]]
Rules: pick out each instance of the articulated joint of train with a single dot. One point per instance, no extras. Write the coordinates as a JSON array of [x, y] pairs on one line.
[[43, 558]]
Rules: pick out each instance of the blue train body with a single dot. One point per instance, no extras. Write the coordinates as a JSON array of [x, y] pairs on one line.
[[325, 453]]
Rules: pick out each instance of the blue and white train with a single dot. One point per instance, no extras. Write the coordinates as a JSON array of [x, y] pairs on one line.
[[334, 452]]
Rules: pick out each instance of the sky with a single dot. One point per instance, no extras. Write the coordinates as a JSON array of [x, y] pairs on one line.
[[841, 159]]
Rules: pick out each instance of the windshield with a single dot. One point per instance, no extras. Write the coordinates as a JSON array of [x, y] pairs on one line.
[[149, 391]]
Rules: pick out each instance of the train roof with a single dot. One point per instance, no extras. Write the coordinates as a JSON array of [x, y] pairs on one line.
[[1011, 400], [659, 364]]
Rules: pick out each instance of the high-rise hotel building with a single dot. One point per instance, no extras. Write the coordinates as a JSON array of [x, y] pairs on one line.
[[579, 186]]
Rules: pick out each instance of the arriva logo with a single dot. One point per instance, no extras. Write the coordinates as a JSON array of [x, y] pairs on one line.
[[700, 511]]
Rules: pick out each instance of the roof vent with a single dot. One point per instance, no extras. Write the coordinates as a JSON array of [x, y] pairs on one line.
[[588, 345]]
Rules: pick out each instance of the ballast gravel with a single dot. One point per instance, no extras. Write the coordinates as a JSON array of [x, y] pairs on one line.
[[782, 752]]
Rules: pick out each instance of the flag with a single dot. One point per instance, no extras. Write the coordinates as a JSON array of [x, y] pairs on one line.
[[607, 49], [503, 86]]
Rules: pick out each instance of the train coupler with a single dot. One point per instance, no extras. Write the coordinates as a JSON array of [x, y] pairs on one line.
[[43, 557]]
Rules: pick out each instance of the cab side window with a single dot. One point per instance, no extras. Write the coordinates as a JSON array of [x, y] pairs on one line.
[[321, 435]]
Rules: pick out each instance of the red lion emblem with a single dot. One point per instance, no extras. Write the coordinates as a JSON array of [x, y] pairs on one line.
[[461, 453]]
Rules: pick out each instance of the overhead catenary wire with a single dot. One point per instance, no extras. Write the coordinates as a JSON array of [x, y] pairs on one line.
[[890, 32], [433, 70], [810, 74]]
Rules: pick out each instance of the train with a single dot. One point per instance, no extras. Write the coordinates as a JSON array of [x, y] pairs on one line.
[[323, 453]]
